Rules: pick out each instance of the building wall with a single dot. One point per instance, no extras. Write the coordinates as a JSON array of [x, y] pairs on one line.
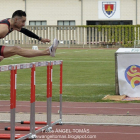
[[90, 10], [54, 10], [7, 7], [138, 5], [128, 10]]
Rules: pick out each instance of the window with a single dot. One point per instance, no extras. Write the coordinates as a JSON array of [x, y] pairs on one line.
[[110, 22], [66, 23], [37, 23]]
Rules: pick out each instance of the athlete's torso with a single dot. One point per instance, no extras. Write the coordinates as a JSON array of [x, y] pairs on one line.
[[6, 21]]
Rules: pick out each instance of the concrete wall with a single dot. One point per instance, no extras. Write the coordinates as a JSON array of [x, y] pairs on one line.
[[138, 5], [128, 10], [53, 10], [7, 7]]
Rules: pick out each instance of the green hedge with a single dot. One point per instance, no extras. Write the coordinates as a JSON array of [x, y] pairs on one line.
[[123, 34]]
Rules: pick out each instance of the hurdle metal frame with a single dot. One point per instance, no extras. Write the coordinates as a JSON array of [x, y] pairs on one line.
[[33, 131]]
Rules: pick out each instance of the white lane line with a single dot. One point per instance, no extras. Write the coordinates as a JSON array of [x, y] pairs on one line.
[[88, 61], [60, 52], [58, 95], [13, 57], [79, 102], [66, 85], [92, 61], [88, 58], [72, 52], [81, 51], [42, 95], [119, 108]]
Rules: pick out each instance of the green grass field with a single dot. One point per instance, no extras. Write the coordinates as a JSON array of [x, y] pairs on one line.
[[88, 75]]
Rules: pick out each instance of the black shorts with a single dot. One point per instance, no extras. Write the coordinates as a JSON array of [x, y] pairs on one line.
[[1, 50]]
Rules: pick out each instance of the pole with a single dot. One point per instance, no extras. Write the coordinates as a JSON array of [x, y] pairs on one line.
[[136, 11], [32, 103], [13, 100], [81, 19], [25, 8], [61, 77], [81, 12]]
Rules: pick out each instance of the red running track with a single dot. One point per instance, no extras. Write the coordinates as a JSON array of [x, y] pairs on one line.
[[86, 132], [77, 108]]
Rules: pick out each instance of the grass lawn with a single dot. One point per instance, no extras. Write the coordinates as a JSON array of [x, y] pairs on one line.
[[88, 75]]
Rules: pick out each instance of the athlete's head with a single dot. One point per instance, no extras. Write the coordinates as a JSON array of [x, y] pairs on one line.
[[19, 18]]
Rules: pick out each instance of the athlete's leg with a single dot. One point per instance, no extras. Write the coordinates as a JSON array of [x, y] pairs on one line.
[[1, 53], [16, 50], [1, 58], [8, 51]]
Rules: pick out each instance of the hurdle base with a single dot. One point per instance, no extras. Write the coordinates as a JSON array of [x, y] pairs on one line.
[[58, 122], [8, 136], [19, 128], [49, 129], [36, 122], [26, 137], [40, 123], [33, 137]]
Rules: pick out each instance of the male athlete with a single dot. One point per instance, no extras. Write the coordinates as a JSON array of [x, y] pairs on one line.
[[16, 23]]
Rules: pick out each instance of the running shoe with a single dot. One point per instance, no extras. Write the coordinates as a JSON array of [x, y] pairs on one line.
[[53, 47]]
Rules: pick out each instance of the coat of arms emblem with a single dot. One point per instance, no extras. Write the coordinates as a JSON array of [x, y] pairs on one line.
[[109, 8]]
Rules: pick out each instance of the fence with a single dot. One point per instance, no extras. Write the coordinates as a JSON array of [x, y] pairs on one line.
[[78, 35]]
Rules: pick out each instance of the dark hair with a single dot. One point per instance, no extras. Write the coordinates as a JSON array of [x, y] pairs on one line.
[[19, 13]]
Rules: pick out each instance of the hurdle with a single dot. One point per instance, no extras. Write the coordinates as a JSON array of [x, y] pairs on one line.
[[48, 125]]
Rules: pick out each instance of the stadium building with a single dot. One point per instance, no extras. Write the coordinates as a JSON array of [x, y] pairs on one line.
[[75, 12], [61, 19]]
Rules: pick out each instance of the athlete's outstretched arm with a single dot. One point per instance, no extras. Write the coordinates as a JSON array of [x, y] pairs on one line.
[[31, 34]]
